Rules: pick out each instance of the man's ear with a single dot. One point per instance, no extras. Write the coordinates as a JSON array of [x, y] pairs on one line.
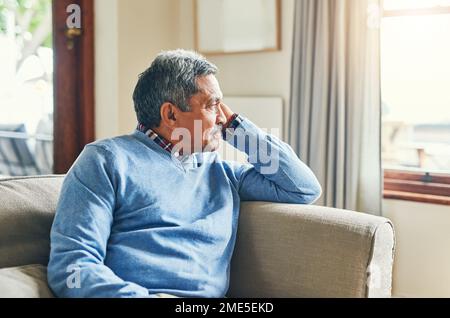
[[168, 114]]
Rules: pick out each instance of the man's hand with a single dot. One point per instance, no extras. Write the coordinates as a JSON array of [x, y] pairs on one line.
[[227, 112]]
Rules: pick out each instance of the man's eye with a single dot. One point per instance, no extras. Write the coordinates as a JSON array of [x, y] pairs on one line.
[[213, 106]]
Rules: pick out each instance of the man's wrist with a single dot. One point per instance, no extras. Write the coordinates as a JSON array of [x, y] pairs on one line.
[[234, 122], [230, 121]]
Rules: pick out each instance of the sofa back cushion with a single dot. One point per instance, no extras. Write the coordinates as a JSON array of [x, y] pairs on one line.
[[27, 208]]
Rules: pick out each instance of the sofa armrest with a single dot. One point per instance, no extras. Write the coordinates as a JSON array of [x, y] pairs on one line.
[[287, 250]]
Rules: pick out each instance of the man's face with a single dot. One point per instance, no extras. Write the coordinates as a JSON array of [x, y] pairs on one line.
[[205, 120]]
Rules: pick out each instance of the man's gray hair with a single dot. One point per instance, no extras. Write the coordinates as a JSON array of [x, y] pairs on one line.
[[172, 78]]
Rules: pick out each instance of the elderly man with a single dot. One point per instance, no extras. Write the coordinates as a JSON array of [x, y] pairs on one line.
[[156, 212]]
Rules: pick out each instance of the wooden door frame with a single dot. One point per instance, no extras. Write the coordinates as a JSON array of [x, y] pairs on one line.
[[74, 99]]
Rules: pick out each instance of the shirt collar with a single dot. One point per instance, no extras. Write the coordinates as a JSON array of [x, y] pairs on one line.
[[188, 161], [159, 140]]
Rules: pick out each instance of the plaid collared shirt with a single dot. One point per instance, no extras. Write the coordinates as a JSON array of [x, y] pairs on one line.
[[161, 141], [233, 123]]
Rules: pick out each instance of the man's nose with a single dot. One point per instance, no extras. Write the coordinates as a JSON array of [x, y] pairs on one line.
[[221, 118]]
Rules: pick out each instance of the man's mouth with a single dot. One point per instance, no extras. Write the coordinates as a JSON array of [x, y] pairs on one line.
[[216, 133]]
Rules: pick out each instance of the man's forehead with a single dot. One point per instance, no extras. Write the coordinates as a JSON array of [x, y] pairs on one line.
[[209, 87], [211, 94]]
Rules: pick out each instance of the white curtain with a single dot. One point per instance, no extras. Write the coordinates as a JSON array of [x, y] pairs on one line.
[[335, 112]]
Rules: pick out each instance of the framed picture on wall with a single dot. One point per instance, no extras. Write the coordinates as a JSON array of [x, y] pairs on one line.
[[237, 26]]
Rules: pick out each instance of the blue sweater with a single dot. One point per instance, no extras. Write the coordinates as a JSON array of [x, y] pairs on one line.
[[132, 222]]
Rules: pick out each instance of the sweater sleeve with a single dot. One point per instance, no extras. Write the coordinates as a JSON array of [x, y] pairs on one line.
[[81, 229], [274, 172]]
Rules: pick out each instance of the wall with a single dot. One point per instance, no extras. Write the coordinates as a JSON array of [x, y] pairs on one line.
[[106, 68], [422, 259]]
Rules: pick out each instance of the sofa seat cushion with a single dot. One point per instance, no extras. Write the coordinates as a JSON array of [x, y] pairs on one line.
[[28, 281]]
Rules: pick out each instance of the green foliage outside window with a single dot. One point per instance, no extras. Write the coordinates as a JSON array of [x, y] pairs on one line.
[[31, 21]]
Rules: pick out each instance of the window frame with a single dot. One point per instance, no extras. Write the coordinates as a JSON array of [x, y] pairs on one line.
[[417, 186], [74, 80], [416, 12], [426, 187]]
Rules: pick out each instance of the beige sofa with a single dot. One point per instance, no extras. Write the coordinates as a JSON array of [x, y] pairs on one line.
[[282, 250]]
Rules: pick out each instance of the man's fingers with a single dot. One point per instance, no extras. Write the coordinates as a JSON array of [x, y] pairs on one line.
[[226, 110]]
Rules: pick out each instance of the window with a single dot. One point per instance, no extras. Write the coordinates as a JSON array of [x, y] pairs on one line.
[[46, 85], [415, 80], [26, 88]]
